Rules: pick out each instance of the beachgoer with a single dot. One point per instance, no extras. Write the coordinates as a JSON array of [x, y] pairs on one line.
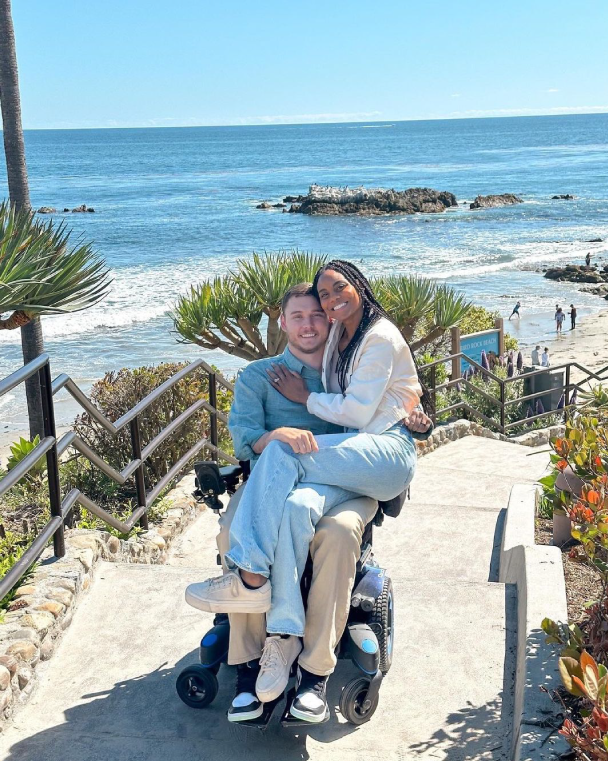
[[560, 316], [588, 259], [515, 310], [536, 355], [572, 314], [371, 387], [544, 360]]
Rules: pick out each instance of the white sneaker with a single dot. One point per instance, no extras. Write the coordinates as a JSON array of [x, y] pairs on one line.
[[275, 665], [228, 594]]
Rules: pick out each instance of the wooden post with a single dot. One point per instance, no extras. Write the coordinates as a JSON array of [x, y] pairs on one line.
[[456, 363], [499, 324]]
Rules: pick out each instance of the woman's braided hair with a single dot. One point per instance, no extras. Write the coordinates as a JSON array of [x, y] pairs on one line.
[[372, 312]]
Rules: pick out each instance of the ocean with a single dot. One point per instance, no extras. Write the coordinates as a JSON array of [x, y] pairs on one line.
[[175, 206]]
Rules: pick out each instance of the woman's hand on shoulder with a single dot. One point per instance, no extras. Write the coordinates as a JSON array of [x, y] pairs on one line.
[[289, 383]]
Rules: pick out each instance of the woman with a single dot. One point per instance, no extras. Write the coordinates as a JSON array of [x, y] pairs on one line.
[[372, 386]]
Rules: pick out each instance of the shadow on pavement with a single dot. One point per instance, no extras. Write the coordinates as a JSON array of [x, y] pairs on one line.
[[143, 718]]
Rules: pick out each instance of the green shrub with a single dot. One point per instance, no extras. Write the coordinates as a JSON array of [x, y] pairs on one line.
[[478, 319]]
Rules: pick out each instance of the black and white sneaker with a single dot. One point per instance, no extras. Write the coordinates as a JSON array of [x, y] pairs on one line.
[[310, 702], [246, 704]]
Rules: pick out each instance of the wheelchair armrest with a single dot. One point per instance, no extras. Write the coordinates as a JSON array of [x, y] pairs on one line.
[[392, 507]]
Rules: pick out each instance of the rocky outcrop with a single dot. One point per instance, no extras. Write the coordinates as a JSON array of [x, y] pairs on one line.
[[577, 273], [82, 208], [373, 201], [46, 210], [264, 205], [293, 199], [563, 197], [490, 202]]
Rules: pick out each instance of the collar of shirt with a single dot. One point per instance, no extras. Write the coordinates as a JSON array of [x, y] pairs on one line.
[[295, 364]]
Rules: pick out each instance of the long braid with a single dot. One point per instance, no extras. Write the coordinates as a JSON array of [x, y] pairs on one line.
[[372, 312]]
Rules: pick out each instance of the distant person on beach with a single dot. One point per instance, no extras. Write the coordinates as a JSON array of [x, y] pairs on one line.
[[515, 310], [572, 314], [544, 360], [536, 355], [560, 316], [588, 259]]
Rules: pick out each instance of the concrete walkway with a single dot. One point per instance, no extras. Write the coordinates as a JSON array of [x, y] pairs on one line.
[[108, 692]]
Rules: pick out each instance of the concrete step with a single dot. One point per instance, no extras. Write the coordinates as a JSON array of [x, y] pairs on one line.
[[108, 692]]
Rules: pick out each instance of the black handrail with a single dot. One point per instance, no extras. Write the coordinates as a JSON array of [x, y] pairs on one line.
[[501, 401], [53, 449]]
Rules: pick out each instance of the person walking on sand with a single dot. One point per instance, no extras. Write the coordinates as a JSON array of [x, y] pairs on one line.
[[588, 259], [544, 360], [515, 310], [572, 314], [536, 355], [560, 316]]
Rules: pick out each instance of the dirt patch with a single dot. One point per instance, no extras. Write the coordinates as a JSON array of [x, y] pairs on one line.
[[583, 583]]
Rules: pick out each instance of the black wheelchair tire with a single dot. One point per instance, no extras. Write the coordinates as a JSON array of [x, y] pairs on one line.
[[382, 623], [353, 701], [197, 686]]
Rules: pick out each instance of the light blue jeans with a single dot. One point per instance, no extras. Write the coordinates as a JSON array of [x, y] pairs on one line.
[[288, 493]]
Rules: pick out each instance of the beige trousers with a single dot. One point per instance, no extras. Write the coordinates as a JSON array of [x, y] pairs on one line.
[[335, 550]]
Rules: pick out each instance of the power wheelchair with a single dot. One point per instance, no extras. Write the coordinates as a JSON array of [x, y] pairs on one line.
[[367, 640]]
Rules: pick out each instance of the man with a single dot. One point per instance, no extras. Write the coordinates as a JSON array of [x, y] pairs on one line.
[[572, 314], [536, 355], [260, 414], [515, 310]]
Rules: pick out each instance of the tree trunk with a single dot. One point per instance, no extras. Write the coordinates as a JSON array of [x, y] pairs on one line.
[[14, 150]]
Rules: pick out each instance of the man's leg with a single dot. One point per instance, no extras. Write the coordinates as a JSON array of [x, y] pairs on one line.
[[247, 630], [335, 551]]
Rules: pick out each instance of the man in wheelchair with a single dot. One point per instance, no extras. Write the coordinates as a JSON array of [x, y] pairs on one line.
[[260, 415]]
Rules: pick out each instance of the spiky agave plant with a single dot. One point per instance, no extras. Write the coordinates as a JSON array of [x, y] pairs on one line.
[[226, 313], [42, 272]]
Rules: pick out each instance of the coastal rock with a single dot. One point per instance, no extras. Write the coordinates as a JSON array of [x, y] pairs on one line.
[[264, 205], [563, 197], [279, 205], [577, 273], [293, 199], [81, 209], [46, 210], [373, 201], [595, 240], [490, 202]]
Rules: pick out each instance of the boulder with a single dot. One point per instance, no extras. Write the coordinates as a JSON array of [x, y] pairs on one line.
[[563, 197], [576, 273], [490, 202], [279, 205], [373, 201], [46, 210], [293, 199], [595, 240], [264, 205], [81, 209]]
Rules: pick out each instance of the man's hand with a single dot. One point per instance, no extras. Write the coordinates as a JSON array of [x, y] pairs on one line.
[[289, 383], [418, 421], [302, 442]]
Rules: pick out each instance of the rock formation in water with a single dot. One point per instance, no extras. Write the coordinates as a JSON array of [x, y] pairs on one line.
[[489, 202], [46, 210], [372, 201], [578, 273], [562, 197]]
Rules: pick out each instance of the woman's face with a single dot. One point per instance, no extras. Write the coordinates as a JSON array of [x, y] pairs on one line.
[[339, 298]]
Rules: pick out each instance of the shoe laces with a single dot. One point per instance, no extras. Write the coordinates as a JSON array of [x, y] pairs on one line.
[[312, 683], [273, 654], [220, 581]]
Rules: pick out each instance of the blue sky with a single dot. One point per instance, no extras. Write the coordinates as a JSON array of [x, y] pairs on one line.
[[131, 63]]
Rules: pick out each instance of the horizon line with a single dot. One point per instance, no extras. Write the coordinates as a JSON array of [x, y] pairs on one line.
[[601, 110]]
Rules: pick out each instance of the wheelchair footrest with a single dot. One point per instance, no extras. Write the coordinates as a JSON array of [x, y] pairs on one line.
[[287, 720]]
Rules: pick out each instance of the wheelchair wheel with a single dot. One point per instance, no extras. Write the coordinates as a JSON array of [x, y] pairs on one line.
[[382, 623], [197, 686], [354, 705]]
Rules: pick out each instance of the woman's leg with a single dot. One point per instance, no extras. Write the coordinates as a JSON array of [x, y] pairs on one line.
[[375, 465]]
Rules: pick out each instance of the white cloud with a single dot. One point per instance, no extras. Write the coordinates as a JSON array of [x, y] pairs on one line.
[[552, 89], [455, 95]]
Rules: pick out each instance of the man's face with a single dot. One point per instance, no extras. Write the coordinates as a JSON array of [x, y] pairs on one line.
[[305, 324]]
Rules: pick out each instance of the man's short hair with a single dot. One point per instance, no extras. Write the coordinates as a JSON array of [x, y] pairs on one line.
[[301, 289]]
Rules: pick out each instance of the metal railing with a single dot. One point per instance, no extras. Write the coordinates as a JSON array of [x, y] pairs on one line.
[[53, 449], [567, 389]]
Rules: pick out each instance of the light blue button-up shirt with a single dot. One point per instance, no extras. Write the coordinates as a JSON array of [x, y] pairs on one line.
[[258, 407]]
